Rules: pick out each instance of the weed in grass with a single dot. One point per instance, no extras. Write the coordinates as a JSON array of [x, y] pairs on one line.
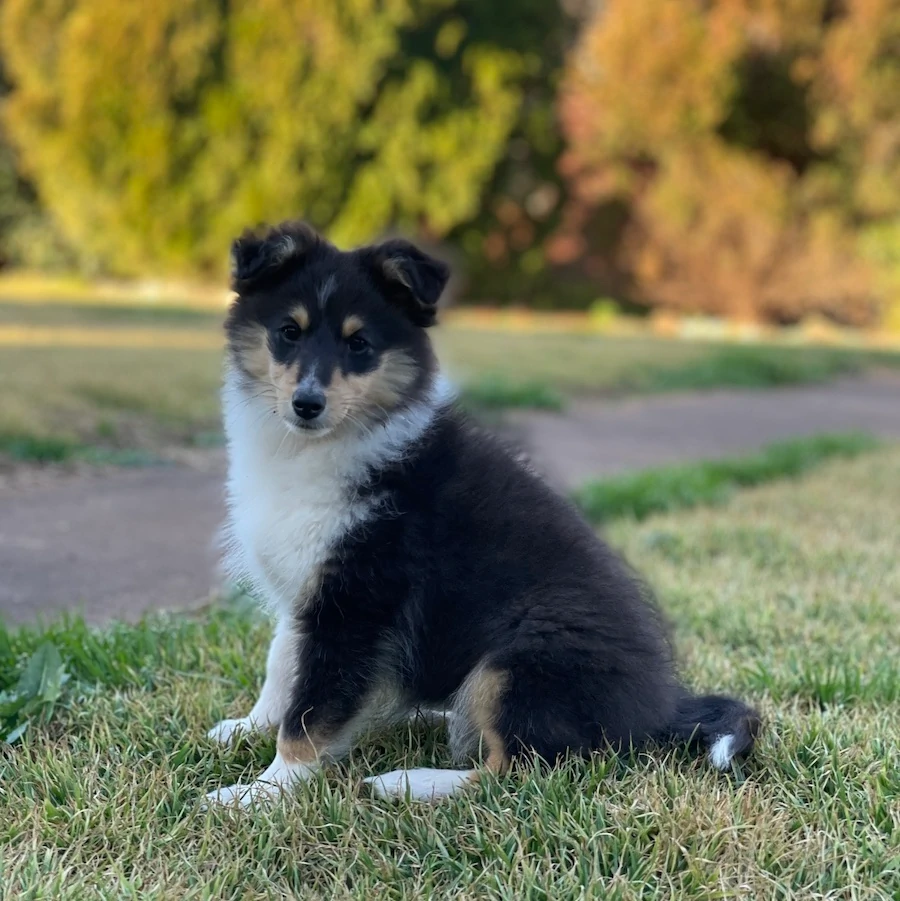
[[36, 692], [642, 494], [117, 656]]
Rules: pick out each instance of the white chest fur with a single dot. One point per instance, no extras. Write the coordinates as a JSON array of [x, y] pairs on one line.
[[291, 499]]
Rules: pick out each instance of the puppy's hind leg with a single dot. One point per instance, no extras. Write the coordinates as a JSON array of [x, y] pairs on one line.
[[269, 710], [472, 721]]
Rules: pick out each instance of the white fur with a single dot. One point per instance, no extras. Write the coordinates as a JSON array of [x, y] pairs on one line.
[[383, 705], [291, 497], [434, 719], [421, 784], [279, 778], [721, 752], [275, 696]]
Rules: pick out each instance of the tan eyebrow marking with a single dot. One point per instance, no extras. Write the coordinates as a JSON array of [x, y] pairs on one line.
[[352, 324], [300, 315]]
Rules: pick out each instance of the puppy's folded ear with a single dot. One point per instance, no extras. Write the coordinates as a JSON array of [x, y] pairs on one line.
[[261, 254], [409, 277]]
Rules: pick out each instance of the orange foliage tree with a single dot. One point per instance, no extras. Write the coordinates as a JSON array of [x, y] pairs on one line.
[[751, 149]]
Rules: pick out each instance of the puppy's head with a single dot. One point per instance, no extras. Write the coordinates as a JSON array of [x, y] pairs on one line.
[[331, 340]]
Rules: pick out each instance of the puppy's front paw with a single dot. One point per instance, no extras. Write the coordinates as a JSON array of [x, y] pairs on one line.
[[244, 794], [227, 731], [421, 784], [279, 778]]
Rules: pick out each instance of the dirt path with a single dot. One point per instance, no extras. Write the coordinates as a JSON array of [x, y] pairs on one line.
[[603, 437], [116, 543], [109, 544]]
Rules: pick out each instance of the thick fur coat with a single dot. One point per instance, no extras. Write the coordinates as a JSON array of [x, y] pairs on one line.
[[408, 558]]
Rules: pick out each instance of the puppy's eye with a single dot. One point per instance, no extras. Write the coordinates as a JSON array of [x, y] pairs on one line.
[[357, 344], [290, 331]]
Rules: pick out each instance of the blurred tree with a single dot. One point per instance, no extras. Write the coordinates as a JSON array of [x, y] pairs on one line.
[[155, 131], [15, 203], [504, 244], [27, 235], [748, 149]]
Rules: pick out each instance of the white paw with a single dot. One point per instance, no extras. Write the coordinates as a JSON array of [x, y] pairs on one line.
[[434, 719], [421, 784], [244, 795], [280, 777], [227, 731]]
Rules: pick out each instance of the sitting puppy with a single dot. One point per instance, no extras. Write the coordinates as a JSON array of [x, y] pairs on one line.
[[408, 558]]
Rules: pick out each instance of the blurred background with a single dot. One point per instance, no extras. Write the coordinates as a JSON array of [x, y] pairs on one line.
[[650, 206]]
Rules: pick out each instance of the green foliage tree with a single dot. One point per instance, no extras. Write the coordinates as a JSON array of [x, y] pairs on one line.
[[15, 204], [26, 235], [751, 149], [155, 131]]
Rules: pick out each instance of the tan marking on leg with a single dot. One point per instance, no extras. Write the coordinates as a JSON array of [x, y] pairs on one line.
[[481, 697], [302, 749], [333, 740]]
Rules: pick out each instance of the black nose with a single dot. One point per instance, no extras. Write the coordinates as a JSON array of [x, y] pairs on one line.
[[308, 404]]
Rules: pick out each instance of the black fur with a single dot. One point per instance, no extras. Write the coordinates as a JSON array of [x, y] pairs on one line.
[[471, 561], [476, 560]]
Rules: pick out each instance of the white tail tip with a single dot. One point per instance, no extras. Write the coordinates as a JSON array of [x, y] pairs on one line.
[[722, 752]]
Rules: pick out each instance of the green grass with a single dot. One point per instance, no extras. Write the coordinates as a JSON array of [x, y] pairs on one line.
[[591, 364], [37, 449], [754, 367], [108, 315], [161, 394], [34, 449], [495, 392], [641, 494], [788, 595], [112, 398]]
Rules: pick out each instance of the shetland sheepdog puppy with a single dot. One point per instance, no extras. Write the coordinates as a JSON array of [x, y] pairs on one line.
[[408, 558]]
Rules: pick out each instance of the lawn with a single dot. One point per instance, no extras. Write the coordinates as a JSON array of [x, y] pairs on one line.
[[788, 595], [131, 377], [709, 482]]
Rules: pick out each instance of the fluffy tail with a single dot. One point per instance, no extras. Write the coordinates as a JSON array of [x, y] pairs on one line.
[[727, 728]]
